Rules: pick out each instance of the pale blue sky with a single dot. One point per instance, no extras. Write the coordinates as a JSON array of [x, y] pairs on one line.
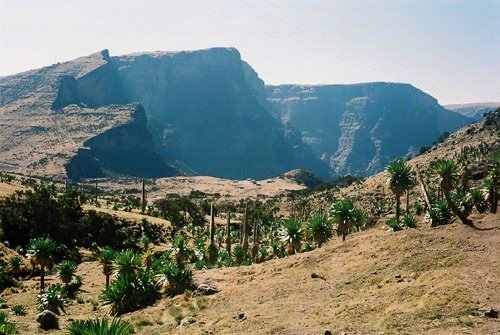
[[448, 48]]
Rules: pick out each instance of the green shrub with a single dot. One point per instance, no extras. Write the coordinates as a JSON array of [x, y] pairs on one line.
[[100, 327], [394, 224], [239, 254], [439, 214], [293, 235], [419, 207], [175, 278], [52, 299], [66, 270], [320, 228], [408, 221], [224, 259], [19, 310], [6, 280], [15, 263], [478, 198], [73, 287], [7, 327], [126, 263], [130, 293]]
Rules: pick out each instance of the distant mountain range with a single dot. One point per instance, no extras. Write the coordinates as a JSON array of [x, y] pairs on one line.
[[203, 112], [473, 110]]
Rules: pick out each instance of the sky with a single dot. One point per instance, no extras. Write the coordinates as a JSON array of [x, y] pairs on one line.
[[448, 48]]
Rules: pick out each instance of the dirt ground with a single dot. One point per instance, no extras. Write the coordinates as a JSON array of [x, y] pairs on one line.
[[416, 281]]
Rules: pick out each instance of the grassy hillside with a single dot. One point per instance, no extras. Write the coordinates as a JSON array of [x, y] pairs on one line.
[[426, 280]]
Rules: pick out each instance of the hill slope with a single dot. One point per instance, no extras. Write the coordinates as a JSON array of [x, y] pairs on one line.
[[74, 112]]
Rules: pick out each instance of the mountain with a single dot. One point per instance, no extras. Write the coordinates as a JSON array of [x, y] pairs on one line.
[[473, 110], [204, 114], [72, 119], [358, 128], [146, 114]]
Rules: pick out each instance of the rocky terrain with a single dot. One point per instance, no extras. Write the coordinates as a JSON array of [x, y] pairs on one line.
[[358, 128], [206, 112]]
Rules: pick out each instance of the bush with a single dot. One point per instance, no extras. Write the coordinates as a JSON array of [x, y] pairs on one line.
[[7, 327], [130, 293], [6, 280], [419, 207], [439, 214], [53, 299], [176, 278], [66, 270], [100, 327], [72, 288], [240, 255], [408, 221], [393, 224], [26, 215], [19, 310], [15, 263], [320, 228], [224, 259], [478, 198]]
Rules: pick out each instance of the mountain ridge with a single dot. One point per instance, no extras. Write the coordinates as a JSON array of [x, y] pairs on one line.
[[208, 112]]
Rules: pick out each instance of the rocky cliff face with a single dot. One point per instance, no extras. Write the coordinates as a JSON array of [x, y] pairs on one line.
[[358, 128], [47, 117], [203, 112], [206, 115]]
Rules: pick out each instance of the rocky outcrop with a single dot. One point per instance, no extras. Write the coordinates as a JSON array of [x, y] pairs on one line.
[[358, 128], [126, 150]]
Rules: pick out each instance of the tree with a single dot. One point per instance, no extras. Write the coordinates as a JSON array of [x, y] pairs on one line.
[[66, 270], [493, 181], [106, 257], [447, 170], [180, 212], [41, 250], [126, 264], [346, 217], [399, 180], [320, 228], [293, 235]]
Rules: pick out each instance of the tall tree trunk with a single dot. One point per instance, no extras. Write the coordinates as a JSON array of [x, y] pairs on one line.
[[96, 191], [493, 199], [408, 202], [423, 189], [245, 233], [344, 230], [143, 200], [398, 207], [255, 243], [228, 233], [212, 224], [42, 278], [107, 280]]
